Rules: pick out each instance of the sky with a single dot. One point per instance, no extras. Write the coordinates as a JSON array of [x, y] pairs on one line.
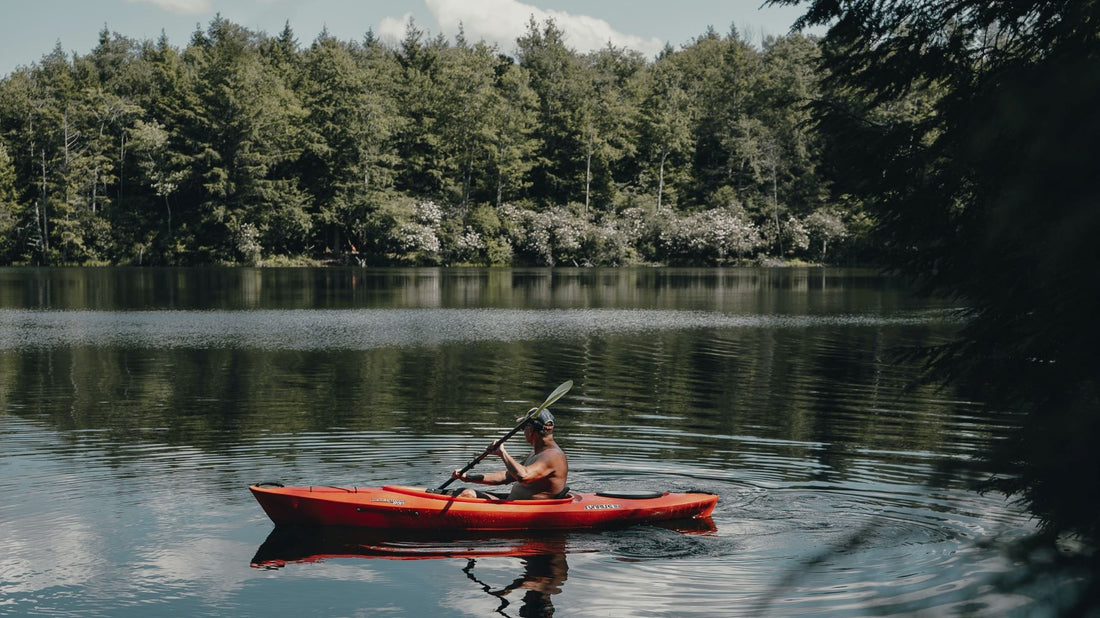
[[31, 29]]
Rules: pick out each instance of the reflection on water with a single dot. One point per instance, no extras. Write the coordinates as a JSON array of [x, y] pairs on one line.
[[542, 563], [729, 290], [542, 577], [541, 569], [137, 405]]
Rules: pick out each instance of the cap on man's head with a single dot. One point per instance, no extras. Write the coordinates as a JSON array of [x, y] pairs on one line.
[[541, 420]]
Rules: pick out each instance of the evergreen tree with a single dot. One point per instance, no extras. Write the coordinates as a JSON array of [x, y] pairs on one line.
[[11, 211], [665, 123], [554, 73], [347, 157], [604, 106], [510, 124]]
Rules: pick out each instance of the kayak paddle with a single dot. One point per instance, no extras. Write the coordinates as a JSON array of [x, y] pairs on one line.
[[532, 413]]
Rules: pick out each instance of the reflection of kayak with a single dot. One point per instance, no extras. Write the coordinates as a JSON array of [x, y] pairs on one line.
[[295, 544], [317, 544], [410, 508]]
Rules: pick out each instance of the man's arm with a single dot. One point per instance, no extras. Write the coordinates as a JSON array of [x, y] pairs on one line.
[[537, 469], [492, 478]]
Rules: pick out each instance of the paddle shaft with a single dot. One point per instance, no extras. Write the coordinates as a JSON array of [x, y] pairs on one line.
[[484, 454]]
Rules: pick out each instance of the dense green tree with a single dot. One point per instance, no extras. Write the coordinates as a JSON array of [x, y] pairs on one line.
[[426, 146], [469, 76], [347, 157], [510, 123], [554, 73], [787, 84], [11, 211], [20, 125], [603, 110], [245, 131], [665, 123], [149, 146], [719, 74], [163, 155]]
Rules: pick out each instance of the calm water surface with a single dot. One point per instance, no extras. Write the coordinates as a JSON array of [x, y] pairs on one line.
[[137, 405]]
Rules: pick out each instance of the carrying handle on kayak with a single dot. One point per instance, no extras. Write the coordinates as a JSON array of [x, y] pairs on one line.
[[532, 413]]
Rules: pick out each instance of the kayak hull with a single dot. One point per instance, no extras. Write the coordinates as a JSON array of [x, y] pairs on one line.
[[396, 507]]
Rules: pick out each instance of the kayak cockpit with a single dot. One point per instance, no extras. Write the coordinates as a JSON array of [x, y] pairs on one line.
[[421, 492]]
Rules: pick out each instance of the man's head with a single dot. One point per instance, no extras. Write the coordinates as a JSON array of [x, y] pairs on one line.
[[542, 423], [544, 420]]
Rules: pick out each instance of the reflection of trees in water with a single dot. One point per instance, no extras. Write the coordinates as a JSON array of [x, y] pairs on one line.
[[542, 577]]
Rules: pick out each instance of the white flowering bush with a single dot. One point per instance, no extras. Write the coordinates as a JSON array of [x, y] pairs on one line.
[[526, 234], [611, 243], [712, 236], [796, 238], [557, 235], [468, 247], [825, 227], [417, 238], [403, 231], [428, 213], [792, 237], [246, 236]]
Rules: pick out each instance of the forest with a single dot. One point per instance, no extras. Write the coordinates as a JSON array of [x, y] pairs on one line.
[[246, 148]]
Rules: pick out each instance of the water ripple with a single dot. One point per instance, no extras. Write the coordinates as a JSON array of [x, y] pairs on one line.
[[375, 328]]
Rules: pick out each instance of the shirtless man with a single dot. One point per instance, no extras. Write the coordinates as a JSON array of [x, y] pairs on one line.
[[541, 475]]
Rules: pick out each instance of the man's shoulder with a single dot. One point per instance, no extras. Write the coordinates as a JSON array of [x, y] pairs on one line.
[[552, 450]]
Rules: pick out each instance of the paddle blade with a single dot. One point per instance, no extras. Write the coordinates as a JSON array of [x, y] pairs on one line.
[[554, 396]]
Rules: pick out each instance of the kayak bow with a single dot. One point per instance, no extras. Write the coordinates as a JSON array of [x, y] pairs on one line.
[[398, 507]]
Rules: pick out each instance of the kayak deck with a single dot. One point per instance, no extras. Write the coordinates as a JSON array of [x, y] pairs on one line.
[[415, 508]]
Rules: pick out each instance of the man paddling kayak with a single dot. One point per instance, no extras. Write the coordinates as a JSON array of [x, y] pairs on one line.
[[542, 475]]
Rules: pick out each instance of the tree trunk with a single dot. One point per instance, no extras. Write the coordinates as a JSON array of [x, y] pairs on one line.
[[44, 228], [661, 181], [168, 207], [121, 165], [587, 180], [775, 205]]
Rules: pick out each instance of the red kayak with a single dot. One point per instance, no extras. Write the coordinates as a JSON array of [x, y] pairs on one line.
[[396, 507]]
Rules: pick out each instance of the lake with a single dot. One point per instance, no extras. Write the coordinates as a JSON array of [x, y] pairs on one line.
[[137, 405]]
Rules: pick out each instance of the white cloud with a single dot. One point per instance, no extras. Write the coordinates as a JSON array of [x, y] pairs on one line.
[[185, 7], [392, 29], [503, 21]]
